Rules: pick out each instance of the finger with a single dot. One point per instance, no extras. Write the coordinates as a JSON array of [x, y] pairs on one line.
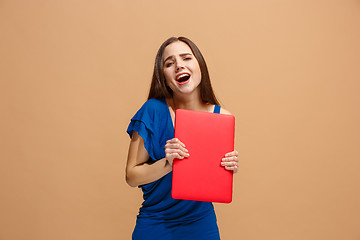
[[233, 153], [176, 146], [174, 155], [230, 159], [177, 151], [175, 140], [229, 164], [234, 169]]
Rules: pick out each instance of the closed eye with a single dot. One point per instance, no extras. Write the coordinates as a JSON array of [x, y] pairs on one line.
[[168, 64]]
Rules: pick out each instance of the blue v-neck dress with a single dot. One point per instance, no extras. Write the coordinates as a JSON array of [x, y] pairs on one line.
[[161, 217]]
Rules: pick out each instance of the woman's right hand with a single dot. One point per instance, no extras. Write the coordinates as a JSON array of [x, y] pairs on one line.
[[174, 148]]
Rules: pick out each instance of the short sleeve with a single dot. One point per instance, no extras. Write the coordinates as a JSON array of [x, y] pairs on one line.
[[145, 122]]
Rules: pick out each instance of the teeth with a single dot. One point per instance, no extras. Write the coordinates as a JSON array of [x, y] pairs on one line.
[[182, 75]]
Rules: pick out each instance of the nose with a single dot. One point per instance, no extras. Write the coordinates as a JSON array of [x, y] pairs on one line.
[[179, 66]]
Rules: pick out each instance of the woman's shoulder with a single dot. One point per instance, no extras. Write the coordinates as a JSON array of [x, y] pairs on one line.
[[155, 101], [152, 107], [224, 111], [154, 104], [151, 112]]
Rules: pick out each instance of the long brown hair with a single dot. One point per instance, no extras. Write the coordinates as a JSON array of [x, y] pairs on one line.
[[159, 89]]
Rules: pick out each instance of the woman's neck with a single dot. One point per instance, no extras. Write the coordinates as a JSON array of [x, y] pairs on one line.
[[190, 102]]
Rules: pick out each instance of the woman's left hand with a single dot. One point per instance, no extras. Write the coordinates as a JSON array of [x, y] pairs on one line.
[[231, 161]]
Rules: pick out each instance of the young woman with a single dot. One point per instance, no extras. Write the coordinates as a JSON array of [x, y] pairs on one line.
[[180, 80]]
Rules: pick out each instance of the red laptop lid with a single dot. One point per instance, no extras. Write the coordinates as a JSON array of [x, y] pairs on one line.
[[208, 137]]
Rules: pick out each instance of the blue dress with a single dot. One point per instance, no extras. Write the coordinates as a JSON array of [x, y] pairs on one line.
[[161, 217]]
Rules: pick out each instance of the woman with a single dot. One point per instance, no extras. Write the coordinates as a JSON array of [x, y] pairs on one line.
[[180, 80]]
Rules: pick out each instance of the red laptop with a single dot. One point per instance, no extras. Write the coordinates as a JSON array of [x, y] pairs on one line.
[[208, 137]]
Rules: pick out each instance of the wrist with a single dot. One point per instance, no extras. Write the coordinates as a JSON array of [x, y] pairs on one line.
[[168, 163]]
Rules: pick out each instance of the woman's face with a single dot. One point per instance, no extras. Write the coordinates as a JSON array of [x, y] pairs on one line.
[[181, 68]]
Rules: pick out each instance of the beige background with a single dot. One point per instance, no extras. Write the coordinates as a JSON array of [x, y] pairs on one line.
[[73, 73]]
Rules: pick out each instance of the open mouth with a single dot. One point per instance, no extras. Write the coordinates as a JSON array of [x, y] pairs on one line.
[[183, 78]]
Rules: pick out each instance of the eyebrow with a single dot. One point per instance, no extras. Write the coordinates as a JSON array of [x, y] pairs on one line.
[[181, 55]]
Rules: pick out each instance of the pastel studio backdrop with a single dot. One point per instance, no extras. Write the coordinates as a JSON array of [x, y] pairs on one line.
[[73, 73]]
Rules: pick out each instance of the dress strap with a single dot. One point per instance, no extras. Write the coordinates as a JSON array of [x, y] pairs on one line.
[[217, 109]]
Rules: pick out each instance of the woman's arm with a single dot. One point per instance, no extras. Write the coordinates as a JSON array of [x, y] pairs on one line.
[[139, 171], [231, 160]]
